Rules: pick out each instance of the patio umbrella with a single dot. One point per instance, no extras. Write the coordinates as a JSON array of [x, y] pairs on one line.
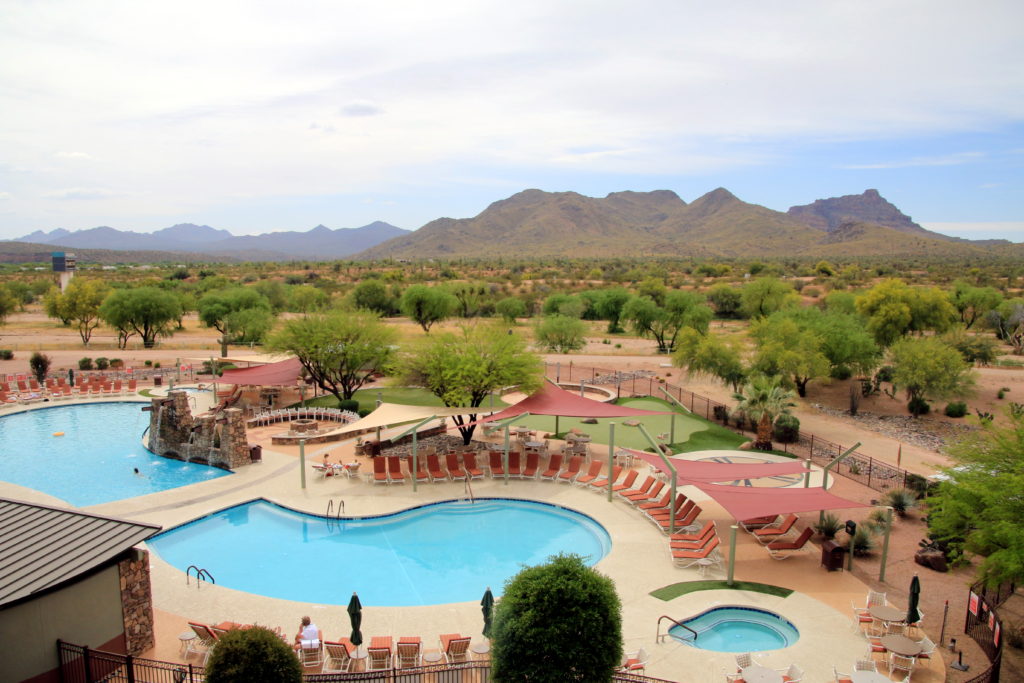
[[913, 615], [355, 615], [487, 607]]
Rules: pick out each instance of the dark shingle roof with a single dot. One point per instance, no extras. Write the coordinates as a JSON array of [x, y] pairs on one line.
[[42, 547]]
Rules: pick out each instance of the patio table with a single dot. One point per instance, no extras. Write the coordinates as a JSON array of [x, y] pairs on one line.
[[869, 677], [901, 645], [756, 673], [886, 613]]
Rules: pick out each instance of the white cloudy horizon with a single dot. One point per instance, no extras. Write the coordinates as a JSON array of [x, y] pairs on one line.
[[254, 117]]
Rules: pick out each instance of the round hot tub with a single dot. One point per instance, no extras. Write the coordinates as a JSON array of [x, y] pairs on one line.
[[735, 628]]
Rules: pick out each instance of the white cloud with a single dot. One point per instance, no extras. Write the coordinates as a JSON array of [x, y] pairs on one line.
[[947, 160], [73, 155], [361, 109], [86, 193]]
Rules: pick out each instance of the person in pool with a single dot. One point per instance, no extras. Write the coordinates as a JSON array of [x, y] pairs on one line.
[[308, 635], [137, 473]]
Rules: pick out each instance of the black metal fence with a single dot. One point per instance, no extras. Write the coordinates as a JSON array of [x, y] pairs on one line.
[[983, 625], [860, 467], [80, 664]]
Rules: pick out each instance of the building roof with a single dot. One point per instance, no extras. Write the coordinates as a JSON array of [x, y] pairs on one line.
[[42, 547]]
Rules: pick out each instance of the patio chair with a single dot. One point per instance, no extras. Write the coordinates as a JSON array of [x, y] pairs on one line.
[[744, 659], [702, 540], [635, 661], [641, 490], [514, 470], [497, 467], [378, 658], [469, 462], [454, 467], [901, 662], [408, 652], [758, 522], [767, 534], [380, 471], [420, 474], [685, 559], [685, 519], [875, 598], [593, 472], [395, 473], [601, 484], [531, 467], [865, 665], [454, 647], [861, 617], [793, 674], [660, 504], [651, 495], [840, 677], [627, 483], [434, 469], [569, 474], [927, 648], [203, 643], [554, 467], [682, 507], [338, 656], [780, 550]]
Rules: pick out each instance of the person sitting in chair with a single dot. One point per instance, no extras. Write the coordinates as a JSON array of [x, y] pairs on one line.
[[308, 635]]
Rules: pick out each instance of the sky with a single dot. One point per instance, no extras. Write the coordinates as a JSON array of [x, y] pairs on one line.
[[259, 116]]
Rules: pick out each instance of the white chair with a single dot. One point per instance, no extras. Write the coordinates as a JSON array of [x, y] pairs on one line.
[[901, 662], [744, 659], [875, 598], [338, 659], [927, 648], [865, 665], [793, 674], [861, 618], [840, 677], [311, 653], [636, 661]]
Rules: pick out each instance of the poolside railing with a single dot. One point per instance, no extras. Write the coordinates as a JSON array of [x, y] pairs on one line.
[[80, 664], [860, 467]]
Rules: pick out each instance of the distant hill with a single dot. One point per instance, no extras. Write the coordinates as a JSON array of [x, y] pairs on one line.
[[320, 243], [869, 207]]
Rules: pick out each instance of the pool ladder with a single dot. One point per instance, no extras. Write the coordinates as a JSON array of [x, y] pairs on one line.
[[330, 508], [469, 491], [201, 575], [660, 637]]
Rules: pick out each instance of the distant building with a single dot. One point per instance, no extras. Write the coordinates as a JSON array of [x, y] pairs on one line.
[[64, 266]]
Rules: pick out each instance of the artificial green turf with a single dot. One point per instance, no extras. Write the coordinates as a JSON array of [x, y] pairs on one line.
[[404, 395], [676, 589]]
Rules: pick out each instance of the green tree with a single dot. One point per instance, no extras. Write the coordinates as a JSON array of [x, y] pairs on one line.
[[8, 304], [559, 621], [838, 301], [462, 368], [276, 292], [763, 399], [147, 311], [706, 354], [894, 309], [427, 305], [1007, 320], [561, 333], [238, 313], [765, 295], [306, 299], [252, 654], [609, 306], [565, 305], [340, 350], [510, 308], [53, 305], [470, 297], [81, 303], [663, 323], [372, 295], [978, 509], [929, 369], [727, 300], [40, 365], [973, 302]]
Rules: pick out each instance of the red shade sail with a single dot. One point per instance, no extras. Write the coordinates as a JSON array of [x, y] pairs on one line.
[[747, 502], [693, 471], [553, 400], [285, 372]]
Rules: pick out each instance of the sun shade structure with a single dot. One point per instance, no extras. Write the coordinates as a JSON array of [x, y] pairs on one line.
[[745, 502], [553, 400], [388, 414], [283, 373], [694, 471]]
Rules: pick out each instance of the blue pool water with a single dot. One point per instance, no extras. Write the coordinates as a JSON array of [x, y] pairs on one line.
[[440, 553], [93, 462], [737, 629]]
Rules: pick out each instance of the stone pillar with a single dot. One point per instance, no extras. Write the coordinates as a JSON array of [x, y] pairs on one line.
[[234, 440], [136, 601], [170, 423]]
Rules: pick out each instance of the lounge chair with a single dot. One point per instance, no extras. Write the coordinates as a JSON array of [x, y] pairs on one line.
[[395, 473], [569, 474], [434, 469], [602, 483], [421, 473], [454, 647], [780, 549], [627, 483], [685, 518], [682, 506], [514, 470], [497, 467], [203, 643], [408, 652], [687, 558], [379, 654], [758, 522], [649, 497], [469, 461], [769, 533], [338, 656], [531, 466], [702, 540], [380, 471], [662, 503], [554, 467], [454, 467], [593, 472]]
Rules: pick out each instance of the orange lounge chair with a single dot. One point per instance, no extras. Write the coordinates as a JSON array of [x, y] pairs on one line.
[[434, 469], [497, 466], [408, 652], [779, 549], [514, 470], [203, 643], [627, 483], [593, 472], [395, 473], [380, 471], [472, 471], [454, 647], [379, 654], [704, 537], [688, 558], [338, 656], [421, 468], [603, 482], [455, 470], [770, 533], [651, 495], [684, 520], [531, 466], [758, 522], [663, 503], [687, 536], [554, 467], [641, 491], [683, 506], [572, 471]]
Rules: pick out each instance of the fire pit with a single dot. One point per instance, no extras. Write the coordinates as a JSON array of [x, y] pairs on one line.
[[303, 426]]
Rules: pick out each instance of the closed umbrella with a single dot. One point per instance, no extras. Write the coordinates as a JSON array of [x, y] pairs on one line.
[[487, 607], [355, 615], [913, 615]]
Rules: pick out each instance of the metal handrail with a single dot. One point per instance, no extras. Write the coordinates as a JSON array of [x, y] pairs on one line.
[[200, 574], [469, 490], [659, 636]]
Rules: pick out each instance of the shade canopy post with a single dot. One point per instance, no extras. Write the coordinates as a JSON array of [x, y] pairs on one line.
[[611, 457], [302, 462], [415, 429], [672, 470], [824, 475], [732, 554], [885, 543]]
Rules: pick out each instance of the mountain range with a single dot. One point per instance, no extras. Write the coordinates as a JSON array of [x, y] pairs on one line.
[[559, 224]]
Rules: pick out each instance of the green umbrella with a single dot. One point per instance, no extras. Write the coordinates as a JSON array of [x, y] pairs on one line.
[[913, 615], [487, 606], [355, 615]]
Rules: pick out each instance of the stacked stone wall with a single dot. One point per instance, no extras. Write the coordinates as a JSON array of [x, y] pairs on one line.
[[136, 602]]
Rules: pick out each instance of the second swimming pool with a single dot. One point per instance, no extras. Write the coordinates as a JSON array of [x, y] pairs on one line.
[[434, 554]]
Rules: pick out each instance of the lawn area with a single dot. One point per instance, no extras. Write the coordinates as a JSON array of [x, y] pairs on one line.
[[409, 396]]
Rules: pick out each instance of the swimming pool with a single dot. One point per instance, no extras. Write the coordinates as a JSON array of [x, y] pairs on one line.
[[433, 554], [737, 629], [92, 462]]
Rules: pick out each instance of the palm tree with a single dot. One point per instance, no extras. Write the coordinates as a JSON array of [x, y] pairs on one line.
[[764, 399]]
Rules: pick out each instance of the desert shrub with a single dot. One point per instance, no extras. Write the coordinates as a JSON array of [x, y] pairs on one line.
[[863, 541], [40, 366], [956, 409], [786, 429], [877, 522], [720, 413], [1001, 394], [829, 526], [85, 363], [840, 372], [102, 363], [901, 501], [918, 406], [252, 654], [116, 363], [363, 412], [148, 363], [6, 354], [349, 404]]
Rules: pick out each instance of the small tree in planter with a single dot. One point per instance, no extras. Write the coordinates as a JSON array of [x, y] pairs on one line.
[[40, 365]]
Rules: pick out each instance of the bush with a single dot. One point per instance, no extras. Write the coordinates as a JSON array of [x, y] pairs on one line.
[[863, 541], [901, 501], [559, 621], [721, 413], [1002, 393], [148, 363], [85, 363], [116, 363], [6, 354], [956, 409], [786, 429], [918, 406], [363, 412], [829, 526], [102, 363], [877, 522], [349, 404], [252, 654], [40, 365], [840, 372]]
